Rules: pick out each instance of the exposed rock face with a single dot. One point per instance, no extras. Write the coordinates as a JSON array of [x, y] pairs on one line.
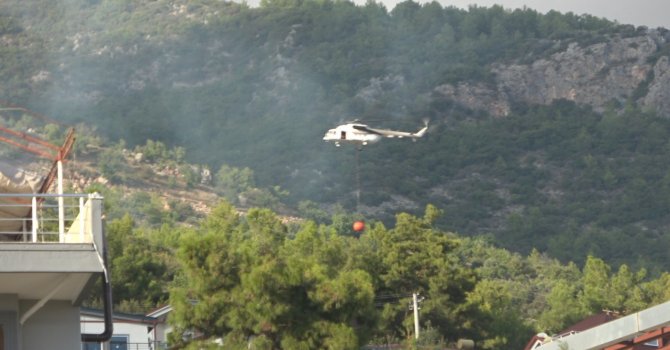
[[591, 75], [379, 86], [477, 96], [658, 96]]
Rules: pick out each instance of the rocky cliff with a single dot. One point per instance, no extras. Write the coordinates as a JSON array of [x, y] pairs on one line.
[[618, 70]]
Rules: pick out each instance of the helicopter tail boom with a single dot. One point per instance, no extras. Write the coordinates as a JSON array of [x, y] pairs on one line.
[[421, 132]]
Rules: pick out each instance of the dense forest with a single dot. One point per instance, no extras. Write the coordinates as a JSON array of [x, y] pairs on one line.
[[267, 281], [575, 193], [250, 91], [269, 285]]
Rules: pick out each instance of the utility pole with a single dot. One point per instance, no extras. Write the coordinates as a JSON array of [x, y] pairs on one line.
[[415, 305]]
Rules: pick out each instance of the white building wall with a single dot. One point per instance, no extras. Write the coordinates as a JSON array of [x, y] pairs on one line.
[[138, 333]]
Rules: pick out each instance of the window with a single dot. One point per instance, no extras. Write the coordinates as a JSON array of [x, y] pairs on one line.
[[91, 346], [653, 343], [118, 342]]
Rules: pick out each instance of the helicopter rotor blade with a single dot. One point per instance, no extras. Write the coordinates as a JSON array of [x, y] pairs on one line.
[[363, 128]]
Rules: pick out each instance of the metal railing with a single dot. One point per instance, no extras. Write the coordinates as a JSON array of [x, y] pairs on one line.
[[41, 218], [154, 345], [147, 346]]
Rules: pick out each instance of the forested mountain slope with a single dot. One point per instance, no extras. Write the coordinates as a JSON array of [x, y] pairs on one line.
[[547, 130]]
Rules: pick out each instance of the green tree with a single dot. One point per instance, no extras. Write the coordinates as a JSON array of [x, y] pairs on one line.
[[230, 182], [311, 211], [595, 279], [243, 279], [625, 292], [140, 272], [416, 258], [153, 151], [147, 207], [190, 174], [112, 163], [563, 307], [499, 322], [658, 290]]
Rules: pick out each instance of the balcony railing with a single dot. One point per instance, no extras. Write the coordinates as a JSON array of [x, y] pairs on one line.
[[154, 345], [52, 218]]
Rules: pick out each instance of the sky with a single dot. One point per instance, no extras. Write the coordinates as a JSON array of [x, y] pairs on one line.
[[650, 13]]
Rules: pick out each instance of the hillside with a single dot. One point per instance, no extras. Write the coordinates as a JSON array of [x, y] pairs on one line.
[[547, 131]]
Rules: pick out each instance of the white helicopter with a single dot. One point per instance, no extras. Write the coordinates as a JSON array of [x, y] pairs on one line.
[[361, 134]]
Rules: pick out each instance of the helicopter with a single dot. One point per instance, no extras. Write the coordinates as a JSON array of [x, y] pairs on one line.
[[361, 134]]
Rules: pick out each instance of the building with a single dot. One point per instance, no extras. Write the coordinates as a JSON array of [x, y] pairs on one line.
[[52, 251], [162, 328], [648, 329], [131, 331], [44, 275]]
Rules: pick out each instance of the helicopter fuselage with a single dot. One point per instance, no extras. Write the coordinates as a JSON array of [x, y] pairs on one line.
[[362, 134], [350, 134]]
